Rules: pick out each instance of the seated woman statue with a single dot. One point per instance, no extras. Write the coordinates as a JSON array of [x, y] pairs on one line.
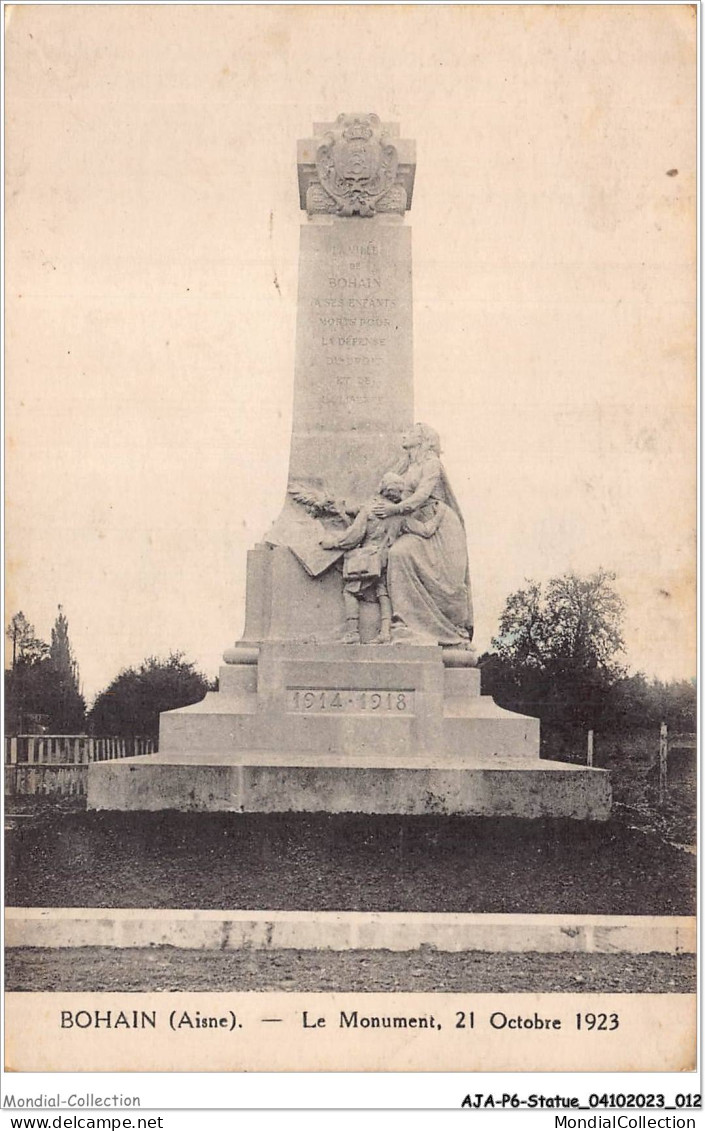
[[427, 567]]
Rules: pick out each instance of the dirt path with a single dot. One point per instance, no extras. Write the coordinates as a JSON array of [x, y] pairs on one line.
[[101, 968]]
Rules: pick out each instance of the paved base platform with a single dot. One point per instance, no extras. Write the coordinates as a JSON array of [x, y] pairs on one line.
[[347, 930], [268, 783]]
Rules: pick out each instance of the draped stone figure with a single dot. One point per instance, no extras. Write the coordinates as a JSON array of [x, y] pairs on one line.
[[427, 570]]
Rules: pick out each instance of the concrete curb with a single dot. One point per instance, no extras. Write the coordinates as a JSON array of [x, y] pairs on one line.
[[347, 930]]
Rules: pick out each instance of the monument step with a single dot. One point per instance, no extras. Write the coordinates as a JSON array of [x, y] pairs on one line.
[[352, 720], [531, 788], [241, 682], [332, 652], [382, 760], [215, 703]]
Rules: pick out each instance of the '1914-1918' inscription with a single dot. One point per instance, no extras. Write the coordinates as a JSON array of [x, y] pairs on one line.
[[348, 701]]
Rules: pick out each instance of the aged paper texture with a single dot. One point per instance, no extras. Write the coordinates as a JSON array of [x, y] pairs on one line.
[[152, 222]]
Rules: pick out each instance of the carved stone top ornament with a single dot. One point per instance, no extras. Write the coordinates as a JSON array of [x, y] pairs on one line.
[[358, 167]]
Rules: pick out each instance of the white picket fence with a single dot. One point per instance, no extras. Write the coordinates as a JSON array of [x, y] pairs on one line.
[[56, 765]]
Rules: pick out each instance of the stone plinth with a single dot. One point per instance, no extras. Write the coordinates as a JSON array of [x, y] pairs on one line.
[[357, 728], [364, 700], [284, 603], [255, 784]]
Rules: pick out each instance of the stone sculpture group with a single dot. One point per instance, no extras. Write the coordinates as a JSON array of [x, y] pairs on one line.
[[406, 549]]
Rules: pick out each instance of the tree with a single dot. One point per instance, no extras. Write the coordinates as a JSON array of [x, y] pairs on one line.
[[64, 703], [131, 704], [26, 647], [41, 689], [578, 620], [679, 704], [61, 653], [636, 702], [557, 648], [23, 682]]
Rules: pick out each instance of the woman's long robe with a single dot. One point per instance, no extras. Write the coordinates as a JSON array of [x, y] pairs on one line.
[[427, 570]]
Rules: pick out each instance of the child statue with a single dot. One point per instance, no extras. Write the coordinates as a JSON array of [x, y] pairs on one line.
[[366, 543]]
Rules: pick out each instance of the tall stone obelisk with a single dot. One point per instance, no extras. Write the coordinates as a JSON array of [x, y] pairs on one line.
[[353, 381], [353, 385]]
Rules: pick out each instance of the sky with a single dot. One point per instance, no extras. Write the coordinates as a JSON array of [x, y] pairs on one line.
[[151, 272]]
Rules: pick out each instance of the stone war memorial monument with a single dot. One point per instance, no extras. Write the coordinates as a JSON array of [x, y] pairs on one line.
[[355, 686]]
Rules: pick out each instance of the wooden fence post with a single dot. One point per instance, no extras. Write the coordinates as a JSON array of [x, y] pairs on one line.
[[663, 763], [590, 749]]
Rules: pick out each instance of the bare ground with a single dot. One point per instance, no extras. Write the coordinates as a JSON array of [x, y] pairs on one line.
[[343, 862], [103, 969]]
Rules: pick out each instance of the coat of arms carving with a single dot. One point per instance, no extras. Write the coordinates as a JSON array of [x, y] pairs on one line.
[[357, 167]]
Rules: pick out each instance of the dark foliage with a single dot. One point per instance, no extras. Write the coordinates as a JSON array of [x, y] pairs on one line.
[[41, 688], [132, 703], [557, 656]]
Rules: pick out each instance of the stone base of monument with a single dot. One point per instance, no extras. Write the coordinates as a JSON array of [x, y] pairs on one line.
[[350, 728], [264, 783]]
